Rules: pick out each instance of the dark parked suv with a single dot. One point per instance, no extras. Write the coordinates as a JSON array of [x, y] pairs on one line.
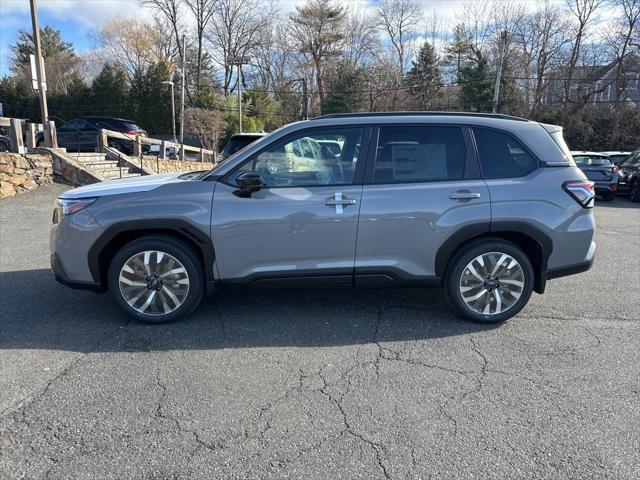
[[489, 207], [629, 176], [81, 134]]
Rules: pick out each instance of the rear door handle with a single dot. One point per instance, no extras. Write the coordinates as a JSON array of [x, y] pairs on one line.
[[464, 195]]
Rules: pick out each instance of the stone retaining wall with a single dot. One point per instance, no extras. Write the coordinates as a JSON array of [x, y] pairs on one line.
[[20, 173], [173, 166]]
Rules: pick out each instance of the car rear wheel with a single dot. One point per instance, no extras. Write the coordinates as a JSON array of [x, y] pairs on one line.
[[489, 280], [634, 190], [156, 279]]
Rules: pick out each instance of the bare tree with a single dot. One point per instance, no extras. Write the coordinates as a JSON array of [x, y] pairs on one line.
[[235, 30], [130, 43], [172, 12], [202, 11], [400, 20], [207, 125], [584, 14], [540, 38]]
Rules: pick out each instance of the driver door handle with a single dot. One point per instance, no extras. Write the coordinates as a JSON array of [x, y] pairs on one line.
[[339, 201]]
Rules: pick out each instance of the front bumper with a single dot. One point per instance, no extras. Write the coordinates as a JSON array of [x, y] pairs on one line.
[[61, 276]]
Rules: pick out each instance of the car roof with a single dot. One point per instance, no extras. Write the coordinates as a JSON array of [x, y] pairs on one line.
[[421, 114], [585, 152], [616, 153], [95, 117]]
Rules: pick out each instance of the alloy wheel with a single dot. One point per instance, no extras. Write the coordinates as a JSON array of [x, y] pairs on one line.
[[154, 282], [492, 283]]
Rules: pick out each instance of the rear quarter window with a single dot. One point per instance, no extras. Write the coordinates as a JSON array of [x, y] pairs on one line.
[[501, 155]]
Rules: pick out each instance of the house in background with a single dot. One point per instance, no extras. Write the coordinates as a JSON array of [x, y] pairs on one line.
[[597, 84]]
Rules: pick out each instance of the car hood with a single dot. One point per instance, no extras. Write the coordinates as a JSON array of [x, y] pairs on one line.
[[127, 185]]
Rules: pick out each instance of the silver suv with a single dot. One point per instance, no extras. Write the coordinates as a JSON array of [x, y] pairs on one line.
[[489, 207]]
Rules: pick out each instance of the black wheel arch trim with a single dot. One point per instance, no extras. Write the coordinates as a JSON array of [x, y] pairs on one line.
[[139, 228], [469, 232]]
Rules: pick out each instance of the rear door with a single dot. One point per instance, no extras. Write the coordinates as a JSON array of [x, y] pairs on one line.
[[301, 226], [422, 188]]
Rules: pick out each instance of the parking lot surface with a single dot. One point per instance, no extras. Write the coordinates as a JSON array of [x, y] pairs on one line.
[[319, 384]]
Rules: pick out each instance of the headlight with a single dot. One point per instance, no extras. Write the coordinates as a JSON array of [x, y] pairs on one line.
[[64, 207]]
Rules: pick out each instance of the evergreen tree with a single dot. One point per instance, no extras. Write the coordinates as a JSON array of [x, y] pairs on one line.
[[149, 106], [109, 91], [476, 93], [345, 91], [458, 50], [425, 79], [51, 45]]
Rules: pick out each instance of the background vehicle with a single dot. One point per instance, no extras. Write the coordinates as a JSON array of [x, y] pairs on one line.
[[238, 142], [81, 134], [5, 143], [599, 169], [616, 157], [489, 207], [629, 176]]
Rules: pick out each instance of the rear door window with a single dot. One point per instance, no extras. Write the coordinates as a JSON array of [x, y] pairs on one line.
[[501, 155], [419, 153]]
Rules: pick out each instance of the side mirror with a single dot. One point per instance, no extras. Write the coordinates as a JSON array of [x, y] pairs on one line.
[[249, 182]]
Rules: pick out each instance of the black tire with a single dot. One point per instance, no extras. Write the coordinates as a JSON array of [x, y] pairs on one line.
[[4, 147], [176, 248], [608, 196], [40, 144], [634, 190], [464, 256]]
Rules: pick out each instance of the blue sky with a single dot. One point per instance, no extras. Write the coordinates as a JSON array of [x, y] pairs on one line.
[[78, 19]]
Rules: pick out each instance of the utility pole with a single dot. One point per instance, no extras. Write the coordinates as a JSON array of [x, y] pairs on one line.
[[239, 61], [496, 90], [305, 103], [184, 69], [173, 110], [44, 111]]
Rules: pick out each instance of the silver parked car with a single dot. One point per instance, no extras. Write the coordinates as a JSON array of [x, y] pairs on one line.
[[489, 207]]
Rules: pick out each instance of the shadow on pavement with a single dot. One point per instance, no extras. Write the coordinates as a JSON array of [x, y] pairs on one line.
[[39, 313], [619, 202]]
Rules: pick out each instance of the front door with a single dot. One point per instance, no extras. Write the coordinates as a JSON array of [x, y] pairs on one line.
[[422, 188], [301, 226]]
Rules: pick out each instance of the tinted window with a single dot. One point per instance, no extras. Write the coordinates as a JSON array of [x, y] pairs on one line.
[[419, 154], [501, 155], [235, 145], [304, 161], [586, 160], [72, 125]]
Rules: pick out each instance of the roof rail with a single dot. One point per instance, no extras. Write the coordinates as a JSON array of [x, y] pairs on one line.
[[419, 114]]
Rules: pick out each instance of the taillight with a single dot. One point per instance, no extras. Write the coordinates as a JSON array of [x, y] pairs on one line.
[[581, 191], [615, 169]]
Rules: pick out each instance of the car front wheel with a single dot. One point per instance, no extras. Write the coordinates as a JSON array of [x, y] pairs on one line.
[[489, 280], [156, 279]]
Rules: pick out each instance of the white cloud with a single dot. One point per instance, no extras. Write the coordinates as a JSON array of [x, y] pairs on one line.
[[91, 13]]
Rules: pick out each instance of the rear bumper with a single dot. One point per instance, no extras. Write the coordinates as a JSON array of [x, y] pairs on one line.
[[575, 268], [605, 187]]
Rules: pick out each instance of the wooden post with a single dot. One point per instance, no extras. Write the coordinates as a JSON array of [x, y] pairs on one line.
[[53, 136], [31, 135], [103, 140], [17, 145], [201, 155], [137, 147], [163, 150]]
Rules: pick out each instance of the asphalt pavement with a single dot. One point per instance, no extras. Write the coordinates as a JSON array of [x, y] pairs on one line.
[[318, 383]]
